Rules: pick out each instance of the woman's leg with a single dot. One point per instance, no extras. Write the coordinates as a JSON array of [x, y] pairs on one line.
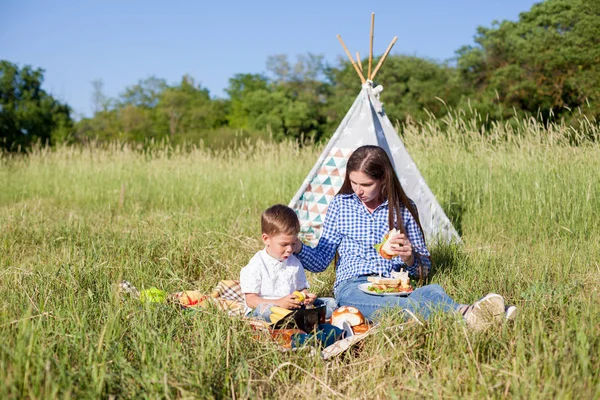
[[330, 305], [423, 301]]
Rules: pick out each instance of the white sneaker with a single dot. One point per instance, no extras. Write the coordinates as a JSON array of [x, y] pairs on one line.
[[485, 312], [511, 313]]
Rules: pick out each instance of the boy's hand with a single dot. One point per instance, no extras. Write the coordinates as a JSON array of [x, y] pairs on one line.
[[310, 298], [289, 302]]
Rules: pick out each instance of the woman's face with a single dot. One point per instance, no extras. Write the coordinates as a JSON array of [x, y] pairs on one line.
[[367, 189]]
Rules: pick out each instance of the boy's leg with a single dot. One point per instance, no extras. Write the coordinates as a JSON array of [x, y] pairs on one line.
[[262, 312]]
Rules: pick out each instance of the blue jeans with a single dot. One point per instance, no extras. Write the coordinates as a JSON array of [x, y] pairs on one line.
[[330, 305], [423, 301]]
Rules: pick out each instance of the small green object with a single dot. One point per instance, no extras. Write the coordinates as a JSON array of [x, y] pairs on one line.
[[153, 295]]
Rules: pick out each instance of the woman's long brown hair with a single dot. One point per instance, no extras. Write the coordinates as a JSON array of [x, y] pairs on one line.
[[374, 162]]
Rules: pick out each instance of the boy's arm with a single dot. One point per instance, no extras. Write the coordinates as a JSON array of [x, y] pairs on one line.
[[289, 302]]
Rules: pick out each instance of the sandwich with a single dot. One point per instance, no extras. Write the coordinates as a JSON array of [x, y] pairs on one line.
[[385, 247], [399, 282]]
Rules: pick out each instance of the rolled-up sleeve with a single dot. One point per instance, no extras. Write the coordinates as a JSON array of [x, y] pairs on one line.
[[250, 280]]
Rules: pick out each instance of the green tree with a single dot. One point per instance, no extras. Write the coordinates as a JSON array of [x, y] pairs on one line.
[[240, 86], [547, 61], [289, 103], [145, 93], [27, 113], [130, 117], [188, 108]]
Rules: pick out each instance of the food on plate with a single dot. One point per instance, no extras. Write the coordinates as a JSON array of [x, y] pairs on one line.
[[402, 275], [299, 296], [399, 282], [385, 247], [349, 314]]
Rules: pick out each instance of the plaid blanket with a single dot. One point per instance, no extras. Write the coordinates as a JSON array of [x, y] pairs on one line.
[[226, 296]]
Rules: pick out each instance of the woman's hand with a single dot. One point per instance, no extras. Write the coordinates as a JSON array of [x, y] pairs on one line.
[[401, 247], [289, 302], [297, 248]]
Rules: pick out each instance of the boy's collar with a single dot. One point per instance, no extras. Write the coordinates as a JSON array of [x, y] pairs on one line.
[[270, 260]]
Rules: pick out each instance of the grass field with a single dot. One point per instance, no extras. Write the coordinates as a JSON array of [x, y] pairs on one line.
[[74, 221]]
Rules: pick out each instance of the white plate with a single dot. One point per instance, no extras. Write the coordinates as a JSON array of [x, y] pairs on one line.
[[365, 288]]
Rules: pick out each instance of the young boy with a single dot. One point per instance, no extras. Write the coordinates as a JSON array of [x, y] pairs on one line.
[[274, 274]]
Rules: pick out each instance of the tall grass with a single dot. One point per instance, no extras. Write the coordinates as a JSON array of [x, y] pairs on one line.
[[76, 220]]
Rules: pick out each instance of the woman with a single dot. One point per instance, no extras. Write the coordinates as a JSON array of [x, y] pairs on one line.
[[370, 203]]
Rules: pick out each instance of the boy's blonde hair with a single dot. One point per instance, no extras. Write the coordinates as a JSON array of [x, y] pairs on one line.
[[278, 220]]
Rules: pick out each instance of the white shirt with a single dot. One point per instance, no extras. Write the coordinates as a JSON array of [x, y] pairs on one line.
[[270, 278]]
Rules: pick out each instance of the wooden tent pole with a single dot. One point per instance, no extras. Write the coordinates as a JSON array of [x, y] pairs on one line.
[[359, 62], [371, 46], [362, 78], [384, 57]]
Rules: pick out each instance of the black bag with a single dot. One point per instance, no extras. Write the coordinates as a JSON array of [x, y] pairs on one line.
[[306, 319]]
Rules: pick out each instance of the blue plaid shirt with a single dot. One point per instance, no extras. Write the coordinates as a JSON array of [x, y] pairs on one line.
[[351, 230]]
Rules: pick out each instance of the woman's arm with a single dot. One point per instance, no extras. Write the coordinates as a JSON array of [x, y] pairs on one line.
[[317, 259], [419, 248], [410, 248]]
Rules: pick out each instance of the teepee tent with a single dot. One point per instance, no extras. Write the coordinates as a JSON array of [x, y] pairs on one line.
[[366, 123]]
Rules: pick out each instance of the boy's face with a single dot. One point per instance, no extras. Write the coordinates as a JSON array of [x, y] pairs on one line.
[[279, 246]]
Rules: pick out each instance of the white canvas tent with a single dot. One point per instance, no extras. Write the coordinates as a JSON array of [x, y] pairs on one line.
[[366, 123]]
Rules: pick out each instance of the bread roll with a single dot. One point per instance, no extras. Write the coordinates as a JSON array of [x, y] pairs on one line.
[[349, 314]]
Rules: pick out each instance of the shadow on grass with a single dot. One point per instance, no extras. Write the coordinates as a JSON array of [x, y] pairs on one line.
[[454, 209], [444, 258]]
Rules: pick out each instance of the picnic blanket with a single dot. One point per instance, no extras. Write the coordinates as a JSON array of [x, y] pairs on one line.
[[227, 296]]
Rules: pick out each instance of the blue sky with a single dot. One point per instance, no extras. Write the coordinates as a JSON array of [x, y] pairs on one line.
[[121, 42]]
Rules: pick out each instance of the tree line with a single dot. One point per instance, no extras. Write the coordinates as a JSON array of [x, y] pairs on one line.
[[546, 64]]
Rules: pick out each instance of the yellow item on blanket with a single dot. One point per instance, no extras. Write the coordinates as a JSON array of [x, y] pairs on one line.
[[278, 313]]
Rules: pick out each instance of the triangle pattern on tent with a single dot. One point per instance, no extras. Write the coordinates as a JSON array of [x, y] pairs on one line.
[[320, 191]]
